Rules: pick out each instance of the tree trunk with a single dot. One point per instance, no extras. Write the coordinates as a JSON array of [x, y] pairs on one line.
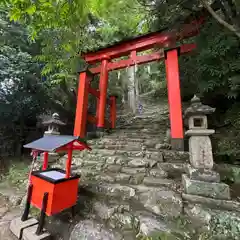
[[137, 90], [131, 89], [230, 27]]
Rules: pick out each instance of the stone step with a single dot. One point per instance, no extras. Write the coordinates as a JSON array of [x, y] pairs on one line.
[[154, 155], [174, 170], [115, 190], [122, 155], [206, 189], [120, 216], [145, 127], [136, 147], [175, 156], [212, 203], [158, 182], [150, 225], [114, 140], [148, 145], [165, 203], [142, 134]]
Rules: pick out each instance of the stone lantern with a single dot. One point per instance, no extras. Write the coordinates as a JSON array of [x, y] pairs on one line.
[[200, 146], [200, 178], [53, 125]]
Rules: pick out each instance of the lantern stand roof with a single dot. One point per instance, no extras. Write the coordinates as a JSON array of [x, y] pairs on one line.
[[56, 143]]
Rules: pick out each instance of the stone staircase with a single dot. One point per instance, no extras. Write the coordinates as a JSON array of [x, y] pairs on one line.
[[133, 176]]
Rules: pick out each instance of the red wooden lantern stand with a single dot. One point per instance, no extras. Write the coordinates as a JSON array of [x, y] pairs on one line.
[[53, 190]]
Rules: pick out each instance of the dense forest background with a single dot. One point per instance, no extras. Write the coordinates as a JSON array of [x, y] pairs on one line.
[[40, 44]]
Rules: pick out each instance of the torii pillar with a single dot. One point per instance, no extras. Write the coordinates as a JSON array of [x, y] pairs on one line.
[[174, 98], [103, 86]]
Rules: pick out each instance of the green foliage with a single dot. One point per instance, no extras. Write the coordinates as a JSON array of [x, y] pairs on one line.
[[225, 225], [21, 90], [17, 174]]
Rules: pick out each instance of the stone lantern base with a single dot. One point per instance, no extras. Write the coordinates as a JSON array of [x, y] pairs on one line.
[[205, 182]]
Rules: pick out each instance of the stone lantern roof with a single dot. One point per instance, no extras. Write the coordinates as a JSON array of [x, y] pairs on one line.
[[197, 108], [53, 125], [55, 120]]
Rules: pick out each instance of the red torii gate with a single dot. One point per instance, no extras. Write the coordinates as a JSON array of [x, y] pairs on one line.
[[165, 40]]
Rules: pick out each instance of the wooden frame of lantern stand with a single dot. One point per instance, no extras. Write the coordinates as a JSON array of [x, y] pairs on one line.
[[45, 193]]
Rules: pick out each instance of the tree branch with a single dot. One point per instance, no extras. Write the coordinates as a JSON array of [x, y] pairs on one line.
[[220, 20]]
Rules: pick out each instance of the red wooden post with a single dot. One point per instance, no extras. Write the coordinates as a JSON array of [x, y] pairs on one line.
[[97, 109], [174, 98], [103, 84], [69, 161], [82, 105], [45, 160], [113, 111]]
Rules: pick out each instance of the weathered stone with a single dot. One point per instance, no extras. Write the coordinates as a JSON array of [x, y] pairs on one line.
[[163, 203], [114, 168], [200, 149], [197, 215], [138, 162], [175, 156], [105, 152], [122, 161], [206, 175], [78, 161], [158, 173], [105, 178], [125, 221], [137, 178], [142, 188], [30, 234], [122, 177], [174, 170], [123, 208], [212, 203], [152, 163], [91, 163], [150, 143], [87, 172], [163, 146], [103, 211], [158, 156], [116, 190], [214, 190], [111, 160], [89, 230], [133, 171], [151, 181], [99, 167], [150, 225]]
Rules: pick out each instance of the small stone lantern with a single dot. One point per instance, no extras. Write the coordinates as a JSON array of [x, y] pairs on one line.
[[53, 125], [200, 146]]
